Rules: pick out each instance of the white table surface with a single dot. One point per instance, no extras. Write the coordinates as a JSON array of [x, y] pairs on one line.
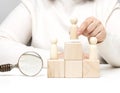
[[15, 82]]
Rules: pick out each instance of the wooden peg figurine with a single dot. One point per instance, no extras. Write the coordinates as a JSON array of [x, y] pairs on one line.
[[93, 49], [54, 50], [91, 66], [55, 65], [73, 29]]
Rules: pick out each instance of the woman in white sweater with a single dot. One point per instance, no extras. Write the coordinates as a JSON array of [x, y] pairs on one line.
[[45, 19]]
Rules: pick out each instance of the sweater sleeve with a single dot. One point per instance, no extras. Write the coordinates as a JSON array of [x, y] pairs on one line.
[[15, 33], [110, 48]]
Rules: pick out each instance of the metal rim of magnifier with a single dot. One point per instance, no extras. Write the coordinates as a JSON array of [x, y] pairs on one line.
[[26, 53]]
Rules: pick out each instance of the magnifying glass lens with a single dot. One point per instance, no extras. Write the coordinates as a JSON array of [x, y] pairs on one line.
[[30, 64]]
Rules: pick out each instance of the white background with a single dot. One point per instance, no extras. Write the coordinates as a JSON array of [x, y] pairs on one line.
[[6, 6]]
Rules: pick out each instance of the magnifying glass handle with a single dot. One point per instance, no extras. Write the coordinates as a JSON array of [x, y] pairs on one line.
[[6, 67]]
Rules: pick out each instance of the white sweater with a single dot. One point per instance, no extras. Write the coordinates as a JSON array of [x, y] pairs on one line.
[[44, 19]]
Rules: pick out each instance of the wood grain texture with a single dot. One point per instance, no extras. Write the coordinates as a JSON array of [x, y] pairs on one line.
[[56, 68], [73, 69], [91, 69], [73, 51]]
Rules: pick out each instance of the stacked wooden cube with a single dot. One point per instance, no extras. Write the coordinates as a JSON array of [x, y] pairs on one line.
[[73, 59]]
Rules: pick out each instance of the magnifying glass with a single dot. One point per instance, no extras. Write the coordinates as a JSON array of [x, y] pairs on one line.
[[29, 64]]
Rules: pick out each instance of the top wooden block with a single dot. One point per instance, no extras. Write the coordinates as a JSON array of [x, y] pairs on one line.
[[73, 50]]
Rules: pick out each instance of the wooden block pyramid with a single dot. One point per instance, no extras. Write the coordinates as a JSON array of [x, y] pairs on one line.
[[73, 65]]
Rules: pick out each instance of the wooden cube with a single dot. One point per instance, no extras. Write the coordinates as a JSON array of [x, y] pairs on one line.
[[73, 50], [73, 69], [91, 69], [50, 69], [56, 68]]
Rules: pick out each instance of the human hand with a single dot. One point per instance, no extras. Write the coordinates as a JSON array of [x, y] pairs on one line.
[[92, 27]]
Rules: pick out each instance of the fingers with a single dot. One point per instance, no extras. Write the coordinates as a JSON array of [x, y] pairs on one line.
[[92, 27], [101, 35], [96, 31], [84, 25]]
